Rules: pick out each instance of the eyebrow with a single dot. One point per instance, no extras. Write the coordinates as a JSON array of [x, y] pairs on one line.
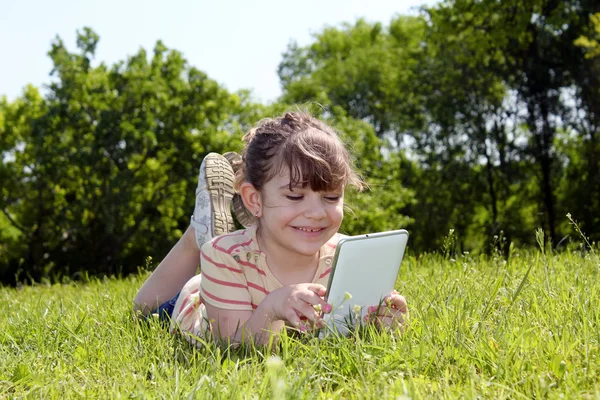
[[287, 186]]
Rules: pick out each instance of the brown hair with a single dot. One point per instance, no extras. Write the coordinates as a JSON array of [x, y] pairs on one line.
[[311, 151]]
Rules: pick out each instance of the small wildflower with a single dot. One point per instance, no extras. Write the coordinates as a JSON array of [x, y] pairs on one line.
[[155, 315], [274, 363], [562, 366], [318, 308], [356, 309], [347, 296]]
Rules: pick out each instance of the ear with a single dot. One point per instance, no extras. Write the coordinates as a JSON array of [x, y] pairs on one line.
[[251, 198]]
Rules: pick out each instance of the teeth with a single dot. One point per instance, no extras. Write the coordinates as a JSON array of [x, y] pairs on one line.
[[308, 230]]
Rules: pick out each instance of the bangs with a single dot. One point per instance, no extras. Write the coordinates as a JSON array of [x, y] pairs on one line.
[[315, 160]]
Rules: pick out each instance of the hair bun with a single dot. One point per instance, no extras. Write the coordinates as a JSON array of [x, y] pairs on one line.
[[251, 134]]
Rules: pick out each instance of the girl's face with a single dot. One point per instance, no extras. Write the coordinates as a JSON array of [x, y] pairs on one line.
[[299, 221]]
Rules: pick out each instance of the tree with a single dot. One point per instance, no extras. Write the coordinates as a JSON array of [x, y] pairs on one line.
[[356, 67], [591, 43], [476, 91], [396, 80], [101, 173]]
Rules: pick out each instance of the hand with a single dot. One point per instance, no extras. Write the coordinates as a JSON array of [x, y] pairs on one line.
[[390, 313], [299, 304]]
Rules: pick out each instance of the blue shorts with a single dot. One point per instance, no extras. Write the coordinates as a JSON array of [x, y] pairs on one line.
[[165, 310]]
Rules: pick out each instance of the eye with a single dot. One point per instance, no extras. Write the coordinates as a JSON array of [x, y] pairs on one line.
[[294, 197], [333, 198]]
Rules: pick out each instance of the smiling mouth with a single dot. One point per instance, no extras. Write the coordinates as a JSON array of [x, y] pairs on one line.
[[309, 229]]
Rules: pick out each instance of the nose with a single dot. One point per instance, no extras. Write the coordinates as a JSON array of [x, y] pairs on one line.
[[315, 208]]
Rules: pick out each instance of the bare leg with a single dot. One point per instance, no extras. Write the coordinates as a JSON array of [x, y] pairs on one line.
[[212, 217], [179, 266]]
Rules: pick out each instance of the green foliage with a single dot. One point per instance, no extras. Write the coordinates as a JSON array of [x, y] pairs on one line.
[[356, 67], [592, 43], [525, 326], [474, 94], [528, 47], [381, 206], [581, 182], [397, 78], [477, 116], [101, 173]]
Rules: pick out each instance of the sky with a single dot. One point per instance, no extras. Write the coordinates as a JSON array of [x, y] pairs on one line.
[[238, 43]]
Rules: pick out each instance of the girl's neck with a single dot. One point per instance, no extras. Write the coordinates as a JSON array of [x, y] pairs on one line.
[[288, 267]]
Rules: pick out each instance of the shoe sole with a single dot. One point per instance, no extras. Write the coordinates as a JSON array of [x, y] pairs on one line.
[[244, 217], [219, 183]]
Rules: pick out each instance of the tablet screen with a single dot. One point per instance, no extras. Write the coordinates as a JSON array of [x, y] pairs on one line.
[[364, 271]]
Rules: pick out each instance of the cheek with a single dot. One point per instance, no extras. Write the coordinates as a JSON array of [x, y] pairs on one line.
[[337, 213], [285, 214]]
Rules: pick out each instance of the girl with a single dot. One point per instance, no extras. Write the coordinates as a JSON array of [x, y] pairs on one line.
[[291, 179]]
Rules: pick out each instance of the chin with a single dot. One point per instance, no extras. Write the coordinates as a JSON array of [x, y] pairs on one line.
[[310, 250], [309, 246]]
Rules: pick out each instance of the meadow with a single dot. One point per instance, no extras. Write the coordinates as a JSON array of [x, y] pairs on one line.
[[517, 325]]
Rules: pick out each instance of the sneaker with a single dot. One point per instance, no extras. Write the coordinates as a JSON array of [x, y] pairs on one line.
[[212, 215], [242, 214]]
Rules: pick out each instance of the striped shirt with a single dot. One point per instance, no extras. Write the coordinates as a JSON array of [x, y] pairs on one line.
[[235, 276]]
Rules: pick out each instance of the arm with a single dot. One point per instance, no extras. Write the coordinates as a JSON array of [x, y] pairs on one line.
[[172, 273], [294, 304], [242, 326]]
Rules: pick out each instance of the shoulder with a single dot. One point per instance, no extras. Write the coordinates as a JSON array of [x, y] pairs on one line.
[[241, 241]]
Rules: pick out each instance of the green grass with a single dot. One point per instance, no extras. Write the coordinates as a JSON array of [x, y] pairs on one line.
[[479, 327]]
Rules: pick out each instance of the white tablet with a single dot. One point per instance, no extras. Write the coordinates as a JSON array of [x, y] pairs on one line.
[[364, 271]]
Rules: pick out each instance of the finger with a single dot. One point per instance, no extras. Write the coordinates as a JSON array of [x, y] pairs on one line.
[[304, 325], [307, 312], [379, 309], [315, 300], [385, 312], [390, 321], [394, 322], [396, 314], [374, 319], [320, 308], [301, 324], [399, 303], [318, 289], [293, 319]]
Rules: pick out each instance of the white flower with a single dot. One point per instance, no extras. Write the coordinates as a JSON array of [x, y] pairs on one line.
[[274, 363]]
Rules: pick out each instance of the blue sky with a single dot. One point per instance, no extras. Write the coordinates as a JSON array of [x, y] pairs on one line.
[[238, 43]]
